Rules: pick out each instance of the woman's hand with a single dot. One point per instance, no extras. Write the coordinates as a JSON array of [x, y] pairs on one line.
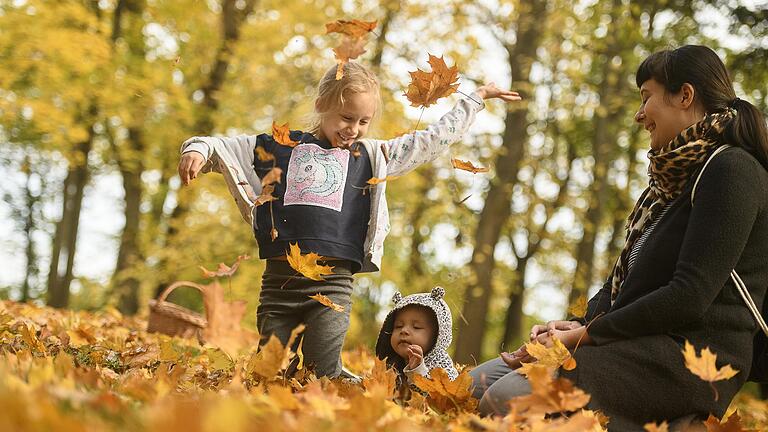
[[550, 326], [569, 338], [490, 91], [189, 165]]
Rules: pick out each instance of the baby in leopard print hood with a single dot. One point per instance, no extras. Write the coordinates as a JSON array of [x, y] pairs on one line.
[[416, 334]]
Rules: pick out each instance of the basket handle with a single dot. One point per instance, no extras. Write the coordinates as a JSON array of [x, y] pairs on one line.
[[175, 285]]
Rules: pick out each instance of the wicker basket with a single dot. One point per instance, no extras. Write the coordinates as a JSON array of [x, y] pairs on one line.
[[174, 320]]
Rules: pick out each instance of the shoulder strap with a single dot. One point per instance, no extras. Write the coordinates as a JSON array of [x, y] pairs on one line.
[[740, 286]]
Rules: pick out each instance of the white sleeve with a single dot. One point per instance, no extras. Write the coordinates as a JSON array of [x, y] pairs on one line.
[[421, 369]]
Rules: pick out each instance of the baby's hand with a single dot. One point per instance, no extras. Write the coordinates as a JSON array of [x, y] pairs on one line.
[[415, 356], [190, 165], [489, 91]]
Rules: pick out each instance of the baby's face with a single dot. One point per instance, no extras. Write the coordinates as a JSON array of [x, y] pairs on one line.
[[414, 325]]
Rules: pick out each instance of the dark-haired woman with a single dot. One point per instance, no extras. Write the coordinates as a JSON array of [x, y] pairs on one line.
[[671, 282]]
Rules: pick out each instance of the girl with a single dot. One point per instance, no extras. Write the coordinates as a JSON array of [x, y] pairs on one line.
[[322, 200], [671, 282]]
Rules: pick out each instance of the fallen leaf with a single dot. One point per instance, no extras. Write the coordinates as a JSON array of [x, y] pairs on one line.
[[266, 195], [381, 377], [307, 264], [467, 166], [426, 88], [549, 395], [272, 357], [300, 354], [325, 301], [224, 270], [264, 155], [579, 307], [705, 367], [282, 135], [653, 427], [273, 176], [446, 395], [376, 180], [549, 357], [353, 28], [350, 48], [732, 424]]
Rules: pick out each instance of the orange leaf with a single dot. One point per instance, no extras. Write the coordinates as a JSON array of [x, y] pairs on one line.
[[264, 155], [307, 264], [224, 270], [266, 195], [381, 377], [273, 176], [549, 395], [376, 180], [353, 28], [733, 424], [282, 135], [467, 166], [653, 427], [446, 395], [350, 48], [427, 87], [325, 301], [579, 307]]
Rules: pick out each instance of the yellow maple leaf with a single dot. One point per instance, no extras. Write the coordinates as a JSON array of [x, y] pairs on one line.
[[467, 166], [550, 357], [705, 367], [325, 301], [579, 307], [549, 395], [282, 135], [426, 88], [350, 48], [272, 357], [446, 395], [307, 264], [353, 28], [382, 378]]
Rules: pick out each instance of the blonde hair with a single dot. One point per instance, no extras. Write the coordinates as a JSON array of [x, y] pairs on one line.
[[331, 92]]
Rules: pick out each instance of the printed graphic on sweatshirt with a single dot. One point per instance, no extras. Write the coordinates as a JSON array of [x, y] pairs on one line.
[[316, 176]]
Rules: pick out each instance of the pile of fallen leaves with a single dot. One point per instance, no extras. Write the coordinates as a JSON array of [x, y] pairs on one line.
[[78, 371]]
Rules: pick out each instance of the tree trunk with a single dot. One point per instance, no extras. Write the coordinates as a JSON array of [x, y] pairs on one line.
[[514, 318], [471, 330], [29, 228], [65, 238]]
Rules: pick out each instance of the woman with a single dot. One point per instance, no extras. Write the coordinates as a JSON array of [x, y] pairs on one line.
[[671, 282]]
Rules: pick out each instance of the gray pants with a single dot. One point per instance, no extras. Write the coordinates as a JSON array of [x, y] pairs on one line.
[[284, 303], [495, 384]]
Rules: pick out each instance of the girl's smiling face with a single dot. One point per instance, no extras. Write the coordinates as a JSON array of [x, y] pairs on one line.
[[663, 114], [343, 126], [414, 325]]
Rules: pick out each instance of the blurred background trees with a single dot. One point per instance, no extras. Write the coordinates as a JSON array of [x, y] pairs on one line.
[[96, 97]]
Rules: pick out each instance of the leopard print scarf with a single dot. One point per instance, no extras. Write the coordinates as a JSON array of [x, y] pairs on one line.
[[670, 169]]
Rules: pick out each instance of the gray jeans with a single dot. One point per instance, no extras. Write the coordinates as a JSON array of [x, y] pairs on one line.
[[495, 384], [284, 303]]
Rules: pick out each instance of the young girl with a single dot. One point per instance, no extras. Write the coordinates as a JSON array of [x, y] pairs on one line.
[[416, 334], [323, 200]]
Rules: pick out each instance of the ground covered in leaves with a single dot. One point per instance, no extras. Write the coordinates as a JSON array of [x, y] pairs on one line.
[[78, 371]]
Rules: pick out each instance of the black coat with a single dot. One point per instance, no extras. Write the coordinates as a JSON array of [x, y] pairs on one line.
[[679, 289]]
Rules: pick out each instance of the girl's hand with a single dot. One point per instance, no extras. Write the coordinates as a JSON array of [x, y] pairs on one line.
[[190, 165], [489, 91], [539, 329], [415, 356], [515, 359]]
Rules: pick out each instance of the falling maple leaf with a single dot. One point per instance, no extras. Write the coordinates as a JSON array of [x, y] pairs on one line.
[[266, 195], [467, 166], [264, 155], [705, 367], [376, 180], [307, 264], [325, 301], [579, 307], [273, 176], [446, 395], [732, 424], [224, 270], [549, 357], [350, 48], [272, 357], [282, 135], [426, 88], [353, 28]]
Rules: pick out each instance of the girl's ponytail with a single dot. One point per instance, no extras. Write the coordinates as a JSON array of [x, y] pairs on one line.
[[748, 130]]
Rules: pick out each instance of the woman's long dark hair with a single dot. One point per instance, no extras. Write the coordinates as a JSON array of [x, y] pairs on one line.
[[702, 68]]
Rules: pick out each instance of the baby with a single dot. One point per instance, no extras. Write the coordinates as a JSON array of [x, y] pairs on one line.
[[416, 334]]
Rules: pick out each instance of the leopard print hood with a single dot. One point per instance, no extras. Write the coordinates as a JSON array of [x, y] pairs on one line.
[[438, 356]]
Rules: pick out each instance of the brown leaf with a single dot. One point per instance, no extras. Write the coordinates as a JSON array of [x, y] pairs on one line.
[[266, 195], [224, 270], [273, 176], [273, 233], [579, 307], [353, 28], [467, 166], [653, 427], [325, 301], [264, 155], [307, 264], [375, 180], [282, 135], [446, 395], [350, 48], [733, 424], [427, 87]]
